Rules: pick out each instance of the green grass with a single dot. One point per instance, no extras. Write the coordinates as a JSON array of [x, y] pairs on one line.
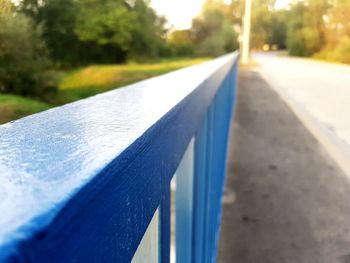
[[14, 107], [95, 79], [84, 82]]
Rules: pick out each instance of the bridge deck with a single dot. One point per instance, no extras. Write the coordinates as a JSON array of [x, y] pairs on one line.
[[286, 200]]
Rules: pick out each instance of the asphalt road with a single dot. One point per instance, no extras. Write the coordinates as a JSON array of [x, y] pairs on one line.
[[320, 91], [321, 88], [286, 200]]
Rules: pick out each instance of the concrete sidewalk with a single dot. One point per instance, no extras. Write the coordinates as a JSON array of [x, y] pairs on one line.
[[286, 200]]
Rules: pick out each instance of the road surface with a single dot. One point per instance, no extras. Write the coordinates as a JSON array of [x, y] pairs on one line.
[[319, 93], [286, 200]]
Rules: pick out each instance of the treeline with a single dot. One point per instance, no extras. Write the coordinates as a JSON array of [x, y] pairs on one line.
[[213, 32], [97, 31], [318, 28], [113, 31], [40, 36]]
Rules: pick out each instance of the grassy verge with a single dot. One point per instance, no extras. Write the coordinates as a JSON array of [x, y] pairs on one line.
[[14, 107], [84, 82], [95, 79]]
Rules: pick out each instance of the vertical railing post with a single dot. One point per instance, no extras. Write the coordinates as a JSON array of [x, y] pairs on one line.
[[210, 169], [164, 224], [200, 197], [184, 206]]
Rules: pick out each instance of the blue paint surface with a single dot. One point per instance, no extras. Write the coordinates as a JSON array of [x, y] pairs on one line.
[[80, 183], [210, 169], [184, 206]]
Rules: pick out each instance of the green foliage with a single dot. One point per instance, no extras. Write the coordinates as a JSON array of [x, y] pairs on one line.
[[95, 31], [94, 79], [212, 45], [337, 26], [337, 33], [60, 21], [105, 22], [14, 107], [295, 43], [341, 53], [6, 7], [79, 32], [23, 56], [181, 43], [278, 29], [148, 32], [259, 25], [305, 35], [88, 81], [268, 25], [213, 33], [58, 18], [317, 28], [107, 33]]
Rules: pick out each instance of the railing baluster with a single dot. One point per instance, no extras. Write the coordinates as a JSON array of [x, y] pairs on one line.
[[165, 225], [184, 206], [200, 197], [210, 168]]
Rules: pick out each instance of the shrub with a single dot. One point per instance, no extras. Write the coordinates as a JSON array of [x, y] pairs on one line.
[[23, 57], [339, 53], [343, 50], [213, 34]]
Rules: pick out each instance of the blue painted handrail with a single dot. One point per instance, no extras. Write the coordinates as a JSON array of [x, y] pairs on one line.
[[81, 182]]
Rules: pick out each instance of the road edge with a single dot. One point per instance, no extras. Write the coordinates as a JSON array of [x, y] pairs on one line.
[[330, 141]]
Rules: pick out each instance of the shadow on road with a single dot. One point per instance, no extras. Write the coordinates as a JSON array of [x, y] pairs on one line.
[[286, 200]]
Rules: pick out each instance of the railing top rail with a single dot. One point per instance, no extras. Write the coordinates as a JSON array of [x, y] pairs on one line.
[[46, 158]]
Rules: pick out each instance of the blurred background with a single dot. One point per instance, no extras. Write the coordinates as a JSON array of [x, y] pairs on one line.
[[57, 51]]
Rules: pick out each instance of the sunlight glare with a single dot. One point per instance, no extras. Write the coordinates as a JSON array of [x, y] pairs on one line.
[[282, 4], [179, 13]]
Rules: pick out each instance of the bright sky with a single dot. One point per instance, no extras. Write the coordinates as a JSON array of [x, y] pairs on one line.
[[179, 13], [280, 4]]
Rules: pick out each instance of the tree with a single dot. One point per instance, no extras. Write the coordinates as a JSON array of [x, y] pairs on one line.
[[109, 22], [57, 18], [148, 33], [181, 42], [278, 29], [98, 31], [268, 25], [260, 17], [337, 32], [108, 29], [337, 23], [212, 32], [30, 7], [23, 55], [305, 34]]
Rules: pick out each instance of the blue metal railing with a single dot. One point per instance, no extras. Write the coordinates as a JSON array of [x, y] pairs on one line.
[[81, 183]]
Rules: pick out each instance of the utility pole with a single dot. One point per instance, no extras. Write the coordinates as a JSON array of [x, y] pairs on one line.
[[246, 31]]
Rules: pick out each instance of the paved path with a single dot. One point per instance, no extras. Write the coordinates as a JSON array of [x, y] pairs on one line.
[[286, 200], [319, 93]]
